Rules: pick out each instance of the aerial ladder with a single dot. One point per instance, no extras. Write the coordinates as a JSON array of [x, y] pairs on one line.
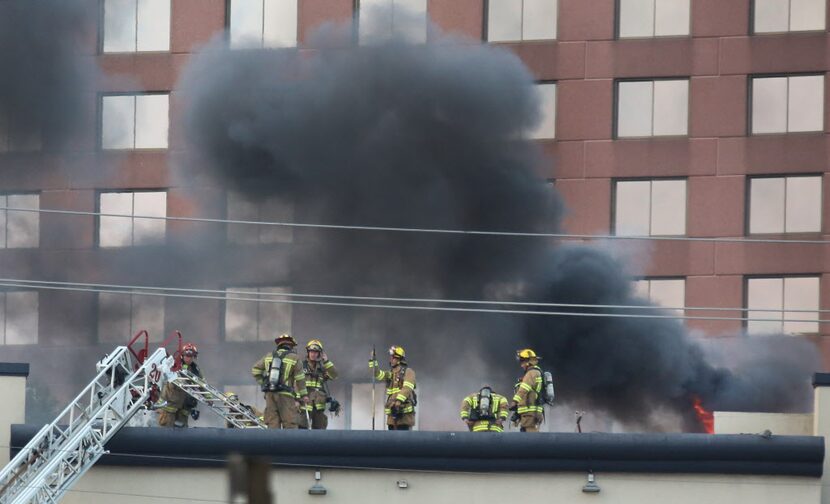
[[62, 451], [231, 410]]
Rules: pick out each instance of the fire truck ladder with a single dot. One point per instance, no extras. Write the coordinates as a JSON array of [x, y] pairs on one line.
[[232, 411], [47, 467]]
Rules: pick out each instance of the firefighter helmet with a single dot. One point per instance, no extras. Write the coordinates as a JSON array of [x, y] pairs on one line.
[[526, 354], [232, 396], [190, 350], [397, 351], [314, 345], [285, 338]]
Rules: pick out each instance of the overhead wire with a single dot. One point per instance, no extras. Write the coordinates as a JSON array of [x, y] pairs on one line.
[[473, 232], [126, 289]]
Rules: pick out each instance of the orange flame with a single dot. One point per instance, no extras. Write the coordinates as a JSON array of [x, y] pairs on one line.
[[706, 418]]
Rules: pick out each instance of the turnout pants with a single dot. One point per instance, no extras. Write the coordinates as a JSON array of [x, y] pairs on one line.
[[176, 418], [281, 411]]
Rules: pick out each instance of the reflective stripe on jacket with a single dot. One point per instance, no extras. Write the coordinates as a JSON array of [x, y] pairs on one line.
[[528, 390], [400, 386], [498, 410]]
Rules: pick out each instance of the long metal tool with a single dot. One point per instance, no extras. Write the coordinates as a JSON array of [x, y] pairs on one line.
[[374, 373]]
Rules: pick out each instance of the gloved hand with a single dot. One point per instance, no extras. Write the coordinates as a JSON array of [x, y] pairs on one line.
[[194, 414]]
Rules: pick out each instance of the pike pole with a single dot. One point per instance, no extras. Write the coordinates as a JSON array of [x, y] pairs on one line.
[[374, 373]]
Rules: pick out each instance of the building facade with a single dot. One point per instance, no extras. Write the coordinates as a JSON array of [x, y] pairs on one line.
[[670, 118]]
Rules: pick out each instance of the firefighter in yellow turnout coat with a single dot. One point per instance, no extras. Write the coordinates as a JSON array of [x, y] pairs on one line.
[[400, 390], [526, 400], [318, 370], [177, 405], [283, 381], [484, 411]]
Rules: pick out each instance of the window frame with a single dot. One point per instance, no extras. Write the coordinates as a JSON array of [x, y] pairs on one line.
[[667, 277], [751, 28], [356, 22], [227, 25], [615, 113], [555, 109], [12, 192], [618, 18], [775, 276], [615, 181], [100, 121], [97, 231], [224, 311], [129, 293], [5, 291], [749, 112], [485, 29], [748, 201], [102, 33]]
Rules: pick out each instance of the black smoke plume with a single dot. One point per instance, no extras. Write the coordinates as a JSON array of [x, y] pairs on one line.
[[432, 136], [48, 68]]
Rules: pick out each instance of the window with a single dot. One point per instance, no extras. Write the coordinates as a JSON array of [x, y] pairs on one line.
[[12, 140], [787, 104], [652, 108], [654, 18], [19, 229], [136, 25], [247, 319], [18, 317], [122, 315], [263, 23], [785, 205], [666, 293], [134, 121], [514, 20], [547, 124], [393, 18], [271, 210], [784, 295], [650, 207], [131, 230], [771, 16]]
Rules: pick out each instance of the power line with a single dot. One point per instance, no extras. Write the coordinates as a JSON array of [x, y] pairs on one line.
[[127, 290], [425, 230]]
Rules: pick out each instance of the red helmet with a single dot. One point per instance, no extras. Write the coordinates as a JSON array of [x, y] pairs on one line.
[[190, 349]]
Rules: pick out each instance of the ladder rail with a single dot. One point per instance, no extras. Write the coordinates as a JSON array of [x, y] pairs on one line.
[[86, 404], [233, 412], [87, 445]]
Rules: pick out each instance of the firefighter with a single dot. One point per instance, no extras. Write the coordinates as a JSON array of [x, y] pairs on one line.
[[526, 400], [318, 370], [233, 397], [484, 411], [401, 398], [283, 381], [176, 404]]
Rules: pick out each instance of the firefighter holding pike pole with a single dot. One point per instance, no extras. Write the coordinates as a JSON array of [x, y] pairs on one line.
[[401, 398]]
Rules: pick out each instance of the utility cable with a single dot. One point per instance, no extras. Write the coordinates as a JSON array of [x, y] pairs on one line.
[[425, 230], [126, 290]]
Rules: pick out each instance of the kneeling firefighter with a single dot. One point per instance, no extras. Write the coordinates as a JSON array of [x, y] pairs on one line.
[[176, 405], [533, 390], [401, 398], [484, 411], [318, 371], [283, 381]]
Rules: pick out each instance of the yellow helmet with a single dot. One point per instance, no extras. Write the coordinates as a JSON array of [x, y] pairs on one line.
[[397, 351], [314, 345], [285, 338], [232, 396], [526, 354]]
